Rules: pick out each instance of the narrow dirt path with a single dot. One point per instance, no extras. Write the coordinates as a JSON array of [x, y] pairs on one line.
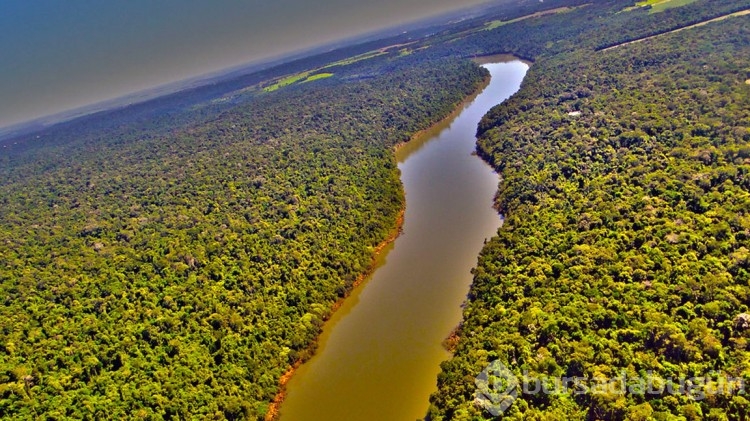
[[740, 13]]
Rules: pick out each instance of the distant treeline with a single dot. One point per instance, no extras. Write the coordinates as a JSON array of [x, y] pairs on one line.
[[592, 25], [172, 259], [170, 273]]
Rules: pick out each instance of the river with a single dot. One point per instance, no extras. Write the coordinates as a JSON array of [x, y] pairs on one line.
[[379, 355]]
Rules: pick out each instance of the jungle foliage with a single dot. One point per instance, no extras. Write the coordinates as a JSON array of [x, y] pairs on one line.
[[172, 259], [626, 190], [180, 274], [591, 25]]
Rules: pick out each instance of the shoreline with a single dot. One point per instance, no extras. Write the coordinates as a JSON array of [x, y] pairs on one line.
[[274, 409], [273, 412], [501, 58], [415, 138]]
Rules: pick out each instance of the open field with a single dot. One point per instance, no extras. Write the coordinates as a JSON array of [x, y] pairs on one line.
[[310, 75], [287, 81], [352, 60], [660, 5], [498, 23], [317, 77]]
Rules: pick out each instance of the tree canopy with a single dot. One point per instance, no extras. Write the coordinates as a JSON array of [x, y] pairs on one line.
[[625, 245]]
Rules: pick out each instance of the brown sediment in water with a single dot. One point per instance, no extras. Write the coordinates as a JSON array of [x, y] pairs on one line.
[[273, 412], [440, 124], [380, 353], [273, 409]]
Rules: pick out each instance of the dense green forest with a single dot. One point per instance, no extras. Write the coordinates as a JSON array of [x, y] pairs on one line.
[[626, 190], [173, 259], [178, 275], [590, 26]]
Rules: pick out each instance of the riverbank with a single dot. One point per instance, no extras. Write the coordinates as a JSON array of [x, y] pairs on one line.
[[273, 409], [441, 124], [379, 355], [415, 141], [435, 128], [273, 412], [501, 58]]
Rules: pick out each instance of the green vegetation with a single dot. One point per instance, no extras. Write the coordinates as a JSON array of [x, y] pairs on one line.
[[498, 23], [287, 81], [311, 75], [594, 27], [662, 5], [625, 244], [173, 260], [180, 275], [317, 76], [365, 56]]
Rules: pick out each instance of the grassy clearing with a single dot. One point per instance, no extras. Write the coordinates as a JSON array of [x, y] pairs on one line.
[[317, 77], [498, 23], [659, 5], [310, 75], [352, 60], [287, 81]]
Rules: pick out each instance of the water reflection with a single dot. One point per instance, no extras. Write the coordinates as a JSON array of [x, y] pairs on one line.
[[380, 354]]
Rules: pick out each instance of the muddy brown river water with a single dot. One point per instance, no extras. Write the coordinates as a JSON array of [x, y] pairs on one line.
[[379, 355]]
